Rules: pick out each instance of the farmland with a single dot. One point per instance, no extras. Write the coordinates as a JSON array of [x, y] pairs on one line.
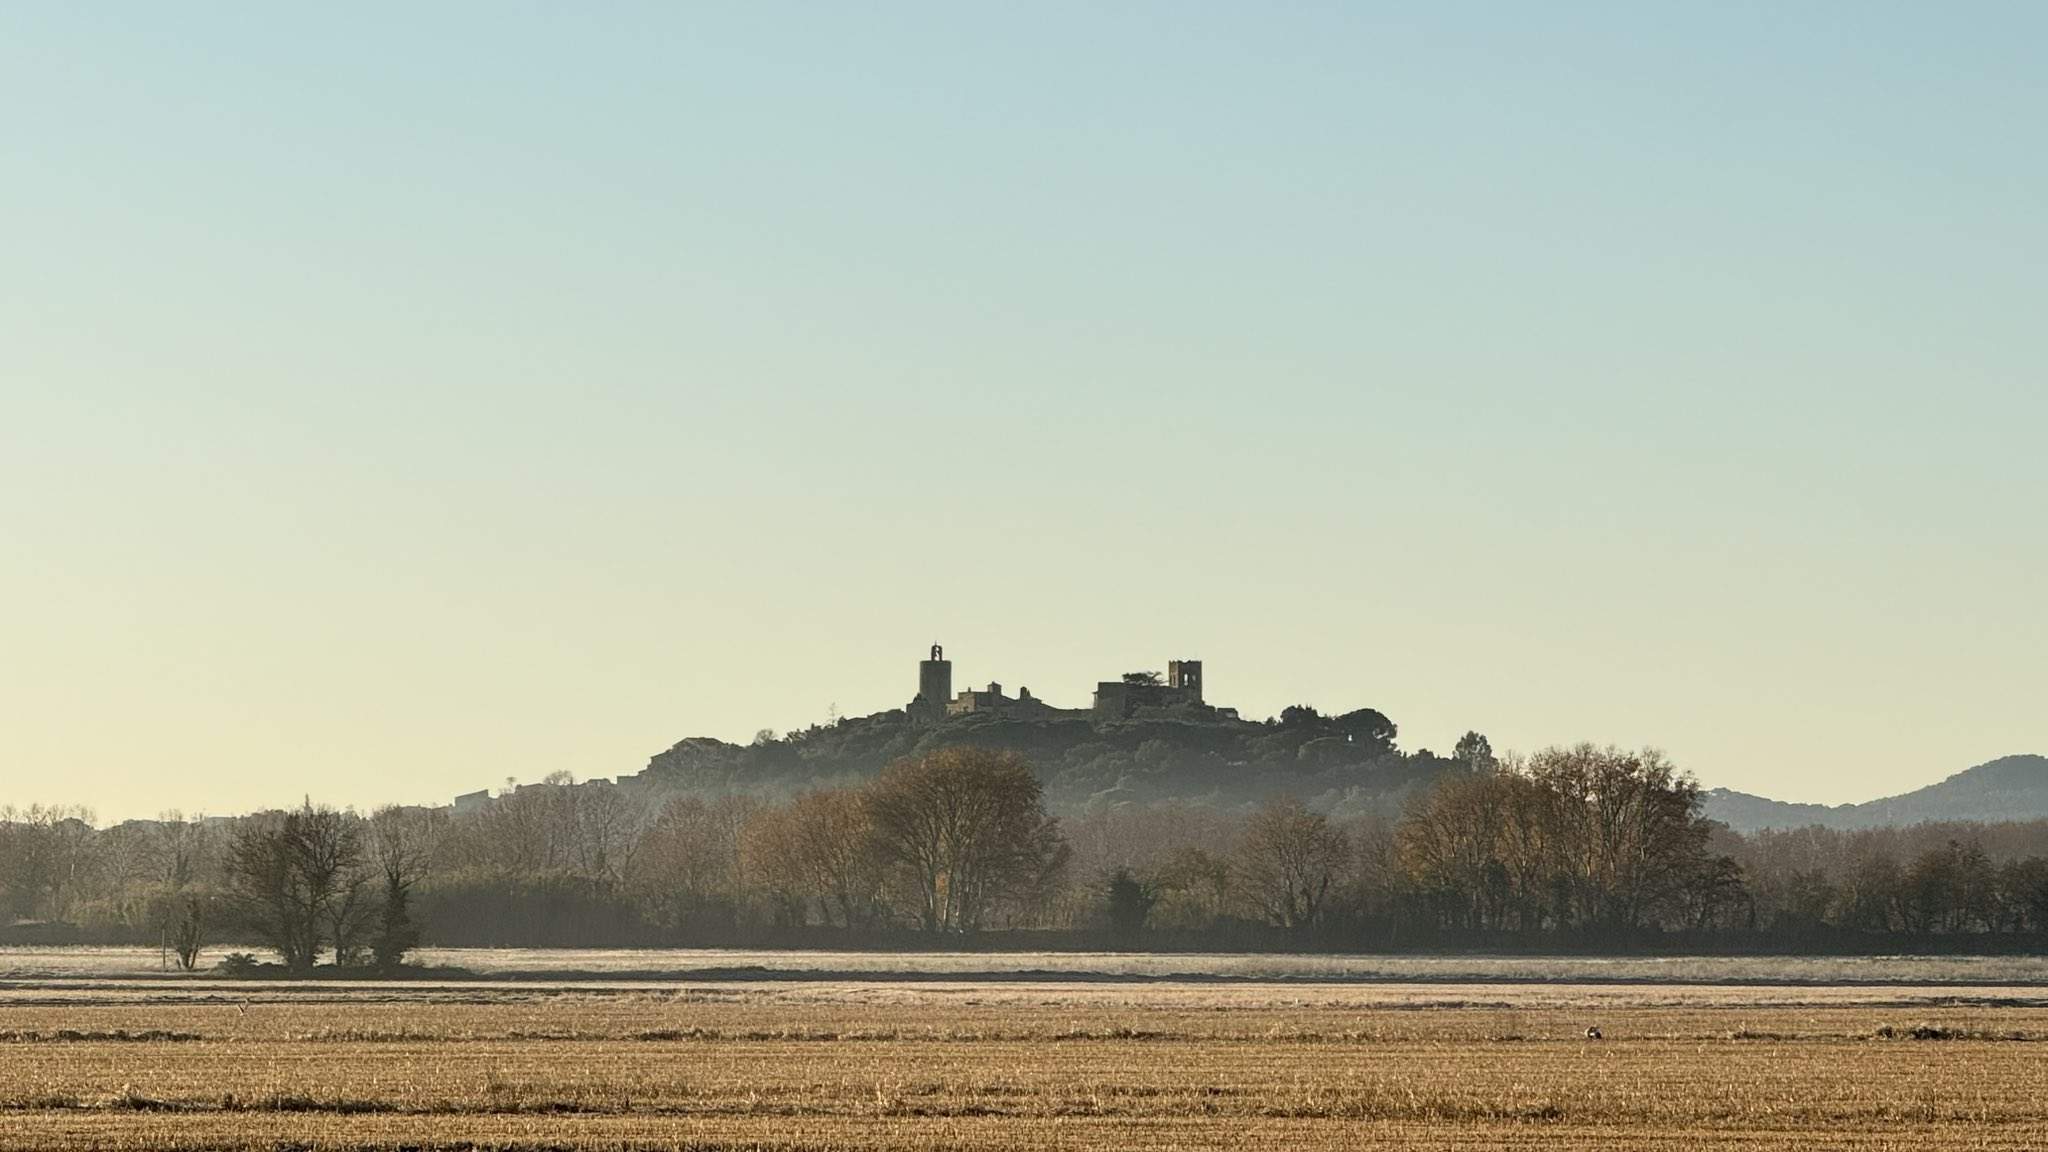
[[133, 1062]]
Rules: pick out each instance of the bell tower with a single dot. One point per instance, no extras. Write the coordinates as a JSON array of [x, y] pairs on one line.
[[934, 687]]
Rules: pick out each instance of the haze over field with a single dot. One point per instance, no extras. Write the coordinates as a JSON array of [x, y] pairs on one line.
[[395, 403]]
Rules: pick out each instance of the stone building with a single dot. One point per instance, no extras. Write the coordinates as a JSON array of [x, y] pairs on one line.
[[993, 700], [1114, 699], [934, 688], [1119, 699], [936, 700]]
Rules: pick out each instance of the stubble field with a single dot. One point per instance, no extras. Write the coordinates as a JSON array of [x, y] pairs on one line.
[[932, 1063]]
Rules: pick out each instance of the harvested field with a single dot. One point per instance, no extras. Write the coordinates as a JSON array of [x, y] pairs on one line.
[[829, 1064]]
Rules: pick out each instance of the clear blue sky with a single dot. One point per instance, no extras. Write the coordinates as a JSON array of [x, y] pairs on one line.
[[396, 399]]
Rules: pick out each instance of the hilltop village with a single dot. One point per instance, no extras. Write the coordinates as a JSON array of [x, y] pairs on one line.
[[1144, 735], [1135, 694]]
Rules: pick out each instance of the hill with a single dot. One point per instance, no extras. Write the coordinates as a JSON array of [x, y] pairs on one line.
[[2009, 788], [1346, 763]]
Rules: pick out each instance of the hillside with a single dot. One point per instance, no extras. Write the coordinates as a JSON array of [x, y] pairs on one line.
[[1346, 763], [2010, 788]]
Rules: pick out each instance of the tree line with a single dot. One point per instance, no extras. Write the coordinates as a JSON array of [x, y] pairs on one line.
[[1569, 847]]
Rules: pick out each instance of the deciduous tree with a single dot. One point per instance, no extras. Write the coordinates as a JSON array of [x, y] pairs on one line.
[[295, 878], [1289, 859], [966, 828]]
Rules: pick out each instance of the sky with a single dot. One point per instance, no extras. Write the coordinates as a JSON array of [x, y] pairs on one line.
[[397, 399]]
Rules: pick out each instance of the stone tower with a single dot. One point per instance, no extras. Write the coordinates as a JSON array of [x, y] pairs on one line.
[[1187, 676], [934, 686]]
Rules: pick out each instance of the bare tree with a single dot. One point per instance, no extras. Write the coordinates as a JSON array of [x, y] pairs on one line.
[[1449, 845], [1580, 838], [607, 828], [688, 865], [402, 845], [352, 912], [1627, 832], [1289, 859], [44, 855], [821, 849], [180, 854], [966, 827], [1161, 845], [296, 877], [1195, 886]]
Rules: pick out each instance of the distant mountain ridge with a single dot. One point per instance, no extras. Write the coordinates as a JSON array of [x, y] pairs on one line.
[[2009, 788]]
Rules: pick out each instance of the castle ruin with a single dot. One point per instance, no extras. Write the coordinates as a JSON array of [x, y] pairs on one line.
[[1114, 699]]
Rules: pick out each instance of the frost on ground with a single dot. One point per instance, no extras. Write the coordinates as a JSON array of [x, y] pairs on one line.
[[721, 963]]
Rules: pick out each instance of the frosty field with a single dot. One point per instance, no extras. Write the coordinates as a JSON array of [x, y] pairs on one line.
[[689, 963], [1252, 1052]]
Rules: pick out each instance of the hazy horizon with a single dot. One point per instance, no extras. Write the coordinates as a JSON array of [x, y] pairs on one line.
[[403, 401]]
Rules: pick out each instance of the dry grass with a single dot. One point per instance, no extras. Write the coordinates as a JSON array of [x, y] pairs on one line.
[[1020, 1066]]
